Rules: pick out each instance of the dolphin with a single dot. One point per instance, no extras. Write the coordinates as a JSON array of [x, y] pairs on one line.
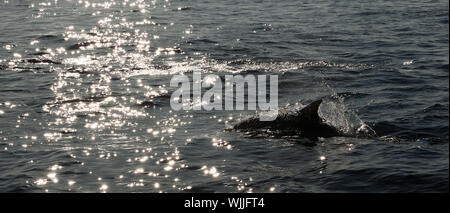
[[303, 123]]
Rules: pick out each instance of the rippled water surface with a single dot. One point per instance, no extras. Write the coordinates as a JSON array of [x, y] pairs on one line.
[[85, 91]]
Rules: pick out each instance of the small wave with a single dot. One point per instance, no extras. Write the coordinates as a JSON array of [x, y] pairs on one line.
[[81, 44], [47, 37], [388, 131], [41, 61], [385, 180], [182, 9]]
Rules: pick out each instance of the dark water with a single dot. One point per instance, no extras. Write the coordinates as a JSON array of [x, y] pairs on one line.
[[84, 95]]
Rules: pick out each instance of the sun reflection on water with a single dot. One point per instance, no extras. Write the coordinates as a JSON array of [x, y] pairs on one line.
[[108, 107]]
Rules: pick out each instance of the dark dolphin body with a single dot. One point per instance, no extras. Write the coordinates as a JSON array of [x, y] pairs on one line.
[[304, 123]]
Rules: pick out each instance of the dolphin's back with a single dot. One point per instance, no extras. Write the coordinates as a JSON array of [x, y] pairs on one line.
[[305, 122]]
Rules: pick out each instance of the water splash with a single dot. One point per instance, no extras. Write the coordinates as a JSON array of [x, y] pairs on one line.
[[336, 113]]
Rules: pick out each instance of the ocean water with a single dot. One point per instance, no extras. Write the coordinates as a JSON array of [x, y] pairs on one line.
[[85, 92]]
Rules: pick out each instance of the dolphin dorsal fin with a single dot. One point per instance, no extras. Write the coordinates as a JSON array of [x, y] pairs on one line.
[[310, 113]]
